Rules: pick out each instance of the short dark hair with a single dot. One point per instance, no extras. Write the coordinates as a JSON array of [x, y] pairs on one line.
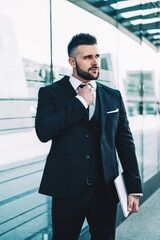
[[80, 39]]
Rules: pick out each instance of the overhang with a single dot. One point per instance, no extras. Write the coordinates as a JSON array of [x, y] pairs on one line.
[[140, 19]]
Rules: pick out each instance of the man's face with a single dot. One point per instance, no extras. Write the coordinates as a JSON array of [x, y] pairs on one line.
[[87, 62]]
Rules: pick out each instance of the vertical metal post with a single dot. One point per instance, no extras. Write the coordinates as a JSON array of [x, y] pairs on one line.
[[142, 114], [51, 66]]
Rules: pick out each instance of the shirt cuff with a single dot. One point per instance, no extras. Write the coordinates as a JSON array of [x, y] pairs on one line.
[[81, 99], [137, 194]]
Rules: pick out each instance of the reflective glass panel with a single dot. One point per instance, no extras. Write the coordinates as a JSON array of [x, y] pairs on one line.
[[150, 112], [24, 68]]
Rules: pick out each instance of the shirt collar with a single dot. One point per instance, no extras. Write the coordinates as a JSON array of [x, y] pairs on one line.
[[75, 83]]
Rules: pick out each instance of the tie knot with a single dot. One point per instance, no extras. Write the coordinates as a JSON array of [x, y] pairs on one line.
[[83, 85]]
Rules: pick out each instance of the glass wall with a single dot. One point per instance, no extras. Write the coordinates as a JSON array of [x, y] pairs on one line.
[[24, 68], [127, 63], [130, 77], [150, 112]]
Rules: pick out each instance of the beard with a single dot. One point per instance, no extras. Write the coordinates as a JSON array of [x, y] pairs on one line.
[[85, 75]]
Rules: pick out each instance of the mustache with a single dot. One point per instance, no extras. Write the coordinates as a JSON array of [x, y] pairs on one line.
[[93, 68]]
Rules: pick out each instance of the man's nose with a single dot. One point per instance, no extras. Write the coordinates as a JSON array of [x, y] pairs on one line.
[[95, 61]]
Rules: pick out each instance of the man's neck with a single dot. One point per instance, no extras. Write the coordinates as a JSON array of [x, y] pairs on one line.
[[80, 79]]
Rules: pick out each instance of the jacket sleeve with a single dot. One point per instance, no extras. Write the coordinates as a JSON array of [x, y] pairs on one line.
[[126, 152], [50, 121]]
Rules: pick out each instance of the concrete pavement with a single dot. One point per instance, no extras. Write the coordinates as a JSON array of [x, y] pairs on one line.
[[144, 225]]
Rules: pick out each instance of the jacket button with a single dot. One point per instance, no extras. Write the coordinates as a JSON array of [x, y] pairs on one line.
[[88, 135], [87, 156]]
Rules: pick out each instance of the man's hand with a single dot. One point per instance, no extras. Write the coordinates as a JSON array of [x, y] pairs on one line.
[[87, 93], [133, 203]]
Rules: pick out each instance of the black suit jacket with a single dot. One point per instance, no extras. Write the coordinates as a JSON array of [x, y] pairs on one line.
[[61, 118]]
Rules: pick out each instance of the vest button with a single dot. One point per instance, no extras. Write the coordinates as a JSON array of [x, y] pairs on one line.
[[88, 135], [87, 156]]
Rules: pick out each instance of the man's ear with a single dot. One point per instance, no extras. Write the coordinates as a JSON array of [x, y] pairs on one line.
[[72, 62]]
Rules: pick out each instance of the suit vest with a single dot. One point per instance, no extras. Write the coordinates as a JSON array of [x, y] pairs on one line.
[[95, 171]]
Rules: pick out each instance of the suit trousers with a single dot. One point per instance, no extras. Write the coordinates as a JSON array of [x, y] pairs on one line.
[[68, 215]]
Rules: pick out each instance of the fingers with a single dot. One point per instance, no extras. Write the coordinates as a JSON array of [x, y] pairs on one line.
[[133, 203], [88, 93], [130, 203]]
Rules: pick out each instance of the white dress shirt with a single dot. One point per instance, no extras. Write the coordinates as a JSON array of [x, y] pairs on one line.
[[75, 84]]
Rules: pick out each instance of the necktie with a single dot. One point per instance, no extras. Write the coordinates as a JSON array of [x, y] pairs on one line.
[[91, 107], [81, 86]]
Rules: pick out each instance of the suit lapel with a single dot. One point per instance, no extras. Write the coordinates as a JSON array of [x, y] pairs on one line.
[[65, 83], [103, 104]]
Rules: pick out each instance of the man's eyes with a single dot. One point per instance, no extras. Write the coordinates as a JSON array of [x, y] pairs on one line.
[[87, 57], [90, 57]]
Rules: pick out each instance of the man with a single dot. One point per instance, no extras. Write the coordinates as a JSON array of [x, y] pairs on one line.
[[87, 123]]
